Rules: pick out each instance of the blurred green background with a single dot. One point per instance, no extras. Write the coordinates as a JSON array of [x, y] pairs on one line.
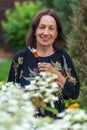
[[4, 70]]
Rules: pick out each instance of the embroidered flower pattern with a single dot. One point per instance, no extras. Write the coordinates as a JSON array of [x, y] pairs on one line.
[[68, 72], [57, 65], [65, 70], [20, 60], [16, 68]]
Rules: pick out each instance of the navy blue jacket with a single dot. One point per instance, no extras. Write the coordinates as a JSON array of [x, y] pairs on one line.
[[24, 61]]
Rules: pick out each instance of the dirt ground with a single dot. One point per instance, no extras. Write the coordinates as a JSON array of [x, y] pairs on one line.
[[5, 54]]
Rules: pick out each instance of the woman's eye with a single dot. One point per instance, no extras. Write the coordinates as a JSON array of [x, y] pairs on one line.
[[41, 27], [51, 28]]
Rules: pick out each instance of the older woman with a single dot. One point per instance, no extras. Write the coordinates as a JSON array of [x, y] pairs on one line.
[[47, 40]]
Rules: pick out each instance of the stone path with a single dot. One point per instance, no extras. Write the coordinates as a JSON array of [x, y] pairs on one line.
[[2, 59], [4, 55]]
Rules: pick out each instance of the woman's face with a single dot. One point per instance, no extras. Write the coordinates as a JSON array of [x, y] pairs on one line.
[[46, 32]]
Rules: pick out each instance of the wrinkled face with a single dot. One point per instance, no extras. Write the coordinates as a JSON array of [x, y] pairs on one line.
[[46, 32]]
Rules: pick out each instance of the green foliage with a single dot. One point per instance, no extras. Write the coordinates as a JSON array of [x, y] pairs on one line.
[[83, 97], [4, 70], [77, 44], [18, 23], [70, 102], [78, 39], [49, 3], [64, 11]]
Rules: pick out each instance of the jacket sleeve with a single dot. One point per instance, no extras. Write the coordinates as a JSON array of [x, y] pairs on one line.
[[11, 76], [14, 72], [71, 89], [17, 61]]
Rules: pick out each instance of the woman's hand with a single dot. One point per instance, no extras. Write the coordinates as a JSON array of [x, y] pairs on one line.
[[48, 67]]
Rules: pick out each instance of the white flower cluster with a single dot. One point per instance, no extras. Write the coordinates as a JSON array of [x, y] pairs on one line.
[[16, 109], [44, 86], [69, 120]]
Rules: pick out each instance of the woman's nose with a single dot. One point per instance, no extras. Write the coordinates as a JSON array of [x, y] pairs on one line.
[[46, 31]]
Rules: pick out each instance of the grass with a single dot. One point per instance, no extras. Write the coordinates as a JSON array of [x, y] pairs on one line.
[[4, 69]]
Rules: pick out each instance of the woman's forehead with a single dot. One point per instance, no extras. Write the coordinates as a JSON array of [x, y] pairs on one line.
[[47, 19]]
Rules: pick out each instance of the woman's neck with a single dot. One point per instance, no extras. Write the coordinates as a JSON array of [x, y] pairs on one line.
[[45, 51]]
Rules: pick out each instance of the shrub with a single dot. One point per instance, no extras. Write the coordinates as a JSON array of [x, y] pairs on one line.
[[78, 47], [18, 23]]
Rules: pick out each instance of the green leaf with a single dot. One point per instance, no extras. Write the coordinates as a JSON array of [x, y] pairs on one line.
[[53, 110]]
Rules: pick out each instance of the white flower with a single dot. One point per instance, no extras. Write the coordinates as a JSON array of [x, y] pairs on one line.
[[36, 95], [17, 110], [76, 126], [30, 87]]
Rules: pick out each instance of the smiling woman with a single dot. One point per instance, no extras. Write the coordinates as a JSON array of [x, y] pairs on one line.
[[48, 41], [46, 33]]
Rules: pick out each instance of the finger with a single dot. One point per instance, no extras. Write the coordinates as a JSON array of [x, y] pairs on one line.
[[42, 69], [59, 84]]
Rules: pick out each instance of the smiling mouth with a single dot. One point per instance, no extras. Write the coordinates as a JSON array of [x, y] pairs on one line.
[[44, 39]]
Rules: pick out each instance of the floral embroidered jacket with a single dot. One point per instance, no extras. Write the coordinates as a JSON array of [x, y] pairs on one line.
[[24, 66]]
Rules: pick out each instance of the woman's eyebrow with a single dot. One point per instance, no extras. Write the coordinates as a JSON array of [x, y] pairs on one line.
[[44, 25]]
